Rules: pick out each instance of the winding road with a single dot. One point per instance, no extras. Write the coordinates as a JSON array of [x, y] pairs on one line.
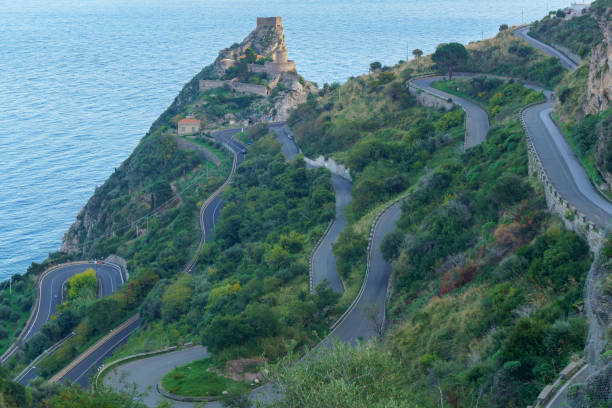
[[545, 48], [323, 259], [50, 287], [365, 318], [476, 121], [81, 369]]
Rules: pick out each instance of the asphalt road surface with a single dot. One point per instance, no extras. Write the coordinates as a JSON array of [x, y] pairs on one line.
[[323, 260], [81, 373], [562, 166], [367, 317], [285, 137], [212, 212], [547, 49], [477, 120], [50, 292]]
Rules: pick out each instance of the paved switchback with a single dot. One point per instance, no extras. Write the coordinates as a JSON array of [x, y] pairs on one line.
[[50, 294], [81, 372], [323, 259], [547, 49], [477, 120]]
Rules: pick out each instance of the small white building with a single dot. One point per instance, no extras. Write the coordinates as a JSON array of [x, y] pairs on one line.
[[579, 8]]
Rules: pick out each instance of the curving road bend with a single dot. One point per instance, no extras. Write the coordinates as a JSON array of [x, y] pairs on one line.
[[563, 168], [366, 319], [50, 294], [212, 212], [476, 121], [323, 259], [93, 357], [547, 49]]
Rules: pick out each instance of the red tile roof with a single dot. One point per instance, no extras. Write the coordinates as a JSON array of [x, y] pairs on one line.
[[188, 120]]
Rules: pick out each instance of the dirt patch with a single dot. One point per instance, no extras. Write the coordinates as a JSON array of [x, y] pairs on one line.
[[242, 369]]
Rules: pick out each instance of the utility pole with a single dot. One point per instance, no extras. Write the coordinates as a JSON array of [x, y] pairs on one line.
[[523, 16]]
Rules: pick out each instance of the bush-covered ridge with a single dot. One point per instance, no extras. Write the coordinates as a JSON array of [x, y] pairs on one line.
[[486, 298]]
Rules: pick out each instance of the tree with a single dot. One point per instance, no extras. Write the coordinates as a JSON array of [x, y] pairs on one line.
[[503, 27], [450, 56], [418, 53], [560, 13], [375, 66], [83, 285]]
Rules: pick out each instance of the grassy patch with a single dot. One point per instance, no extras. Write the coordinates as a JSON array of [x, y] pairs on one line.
[[196, 380]]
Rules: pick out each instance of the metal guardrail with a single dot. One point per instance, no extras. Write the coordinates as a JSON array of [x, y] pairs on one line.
[[42, 355], [62, 373], [203, 208], [33, 312], [352, 306]]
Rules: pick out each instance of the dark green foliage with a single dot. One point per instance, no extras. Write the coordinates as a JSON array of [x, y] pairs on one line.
[[579, 34], [375, 66], [258, 251], [12, 395], [450, 56], [391, 244], [350, 249]]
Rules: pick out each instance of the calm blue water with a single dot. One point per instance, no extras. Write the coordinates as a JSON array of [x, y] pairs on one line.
[[81, 81]]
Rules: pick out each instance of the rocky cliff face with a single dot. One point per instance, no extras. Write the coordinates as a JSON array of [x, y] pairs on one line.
[[264, 40], [599, 84]]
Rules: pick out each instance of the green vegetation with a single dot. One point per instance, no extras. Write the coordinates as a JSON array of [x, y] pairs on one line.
[[374, 126], [249, 294], [366, 376], [198, 379], [450, 56], [579, 34], [487, 287], [507, 55], [499, 97], [583, 136]]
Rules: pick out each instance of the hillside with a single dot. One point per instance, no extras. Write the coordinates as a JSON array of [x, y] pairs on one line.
[[486, 301]]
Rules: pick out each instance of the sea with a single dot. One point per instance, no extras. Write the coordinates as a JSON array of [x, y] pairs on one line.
[[81, 81]]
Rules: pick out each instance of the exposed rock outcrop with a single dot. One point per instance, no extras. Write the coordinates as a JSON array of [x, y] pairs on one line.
[[599, 84]]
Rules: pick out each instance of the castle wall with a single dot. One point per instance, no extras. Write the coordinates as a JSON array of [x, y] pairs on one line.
[[260, 90], [206, 84], [269, 22], [273, 68]]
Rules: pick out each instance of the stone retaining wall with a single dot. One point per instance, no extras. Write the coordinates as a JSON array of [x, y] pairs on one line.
[[572, 218], [426, 99], [331, 165], [208, 155], [207, 84]]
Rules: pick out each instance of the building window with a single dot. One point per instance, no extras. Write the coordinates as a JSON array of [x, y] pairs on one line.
[[183, 129], [193, 129]]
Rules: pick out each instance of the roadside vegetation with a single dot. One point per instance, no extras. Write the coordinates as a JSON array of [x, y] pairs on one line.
[[486, 302], [198, 379], [579, 34]]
